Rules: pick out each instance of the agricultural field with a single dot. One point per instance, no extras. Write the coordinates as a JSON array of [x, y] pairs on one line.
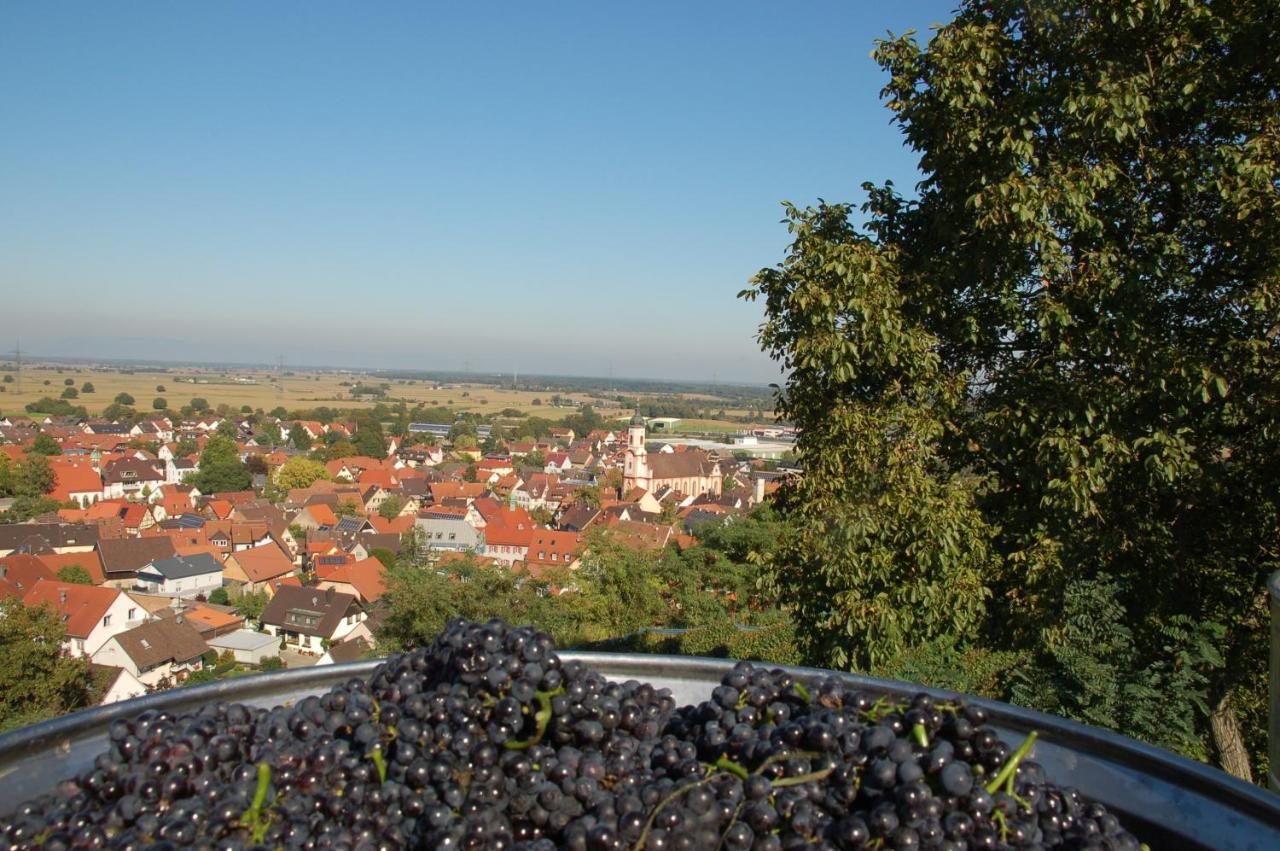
[[266, 390]]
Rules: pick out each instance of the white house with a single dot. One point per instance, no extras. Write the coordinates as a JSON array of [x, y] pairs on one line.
[[92, 614], [166, 650], [309, 618], [181, 576]]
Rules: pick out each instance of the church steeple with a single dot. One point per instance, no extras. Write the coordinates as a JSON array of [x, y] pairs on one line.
[[635, 467]]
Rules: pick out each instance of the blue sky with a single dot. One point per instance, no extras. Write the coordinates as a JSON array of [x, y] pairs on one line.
[[553, 187]]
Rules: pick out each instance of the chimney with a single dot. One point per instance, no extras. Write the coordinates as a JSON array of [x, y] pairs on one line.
[[62, 596], [757, 490]]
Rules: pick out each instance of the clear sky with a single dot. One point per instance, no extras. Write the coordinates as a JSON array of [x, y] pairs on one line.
[[555, 187]]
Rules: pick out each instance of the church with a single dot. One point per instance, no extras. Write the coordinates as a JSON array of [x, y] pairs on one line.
[[691, 472]]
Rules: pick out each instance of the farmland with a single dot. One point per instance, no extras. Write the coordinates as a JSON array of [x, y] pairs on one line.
[[299, 390]]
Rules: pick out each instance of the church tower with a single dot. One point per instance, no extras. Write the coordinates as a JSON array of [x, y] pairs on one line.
[[635, 470]]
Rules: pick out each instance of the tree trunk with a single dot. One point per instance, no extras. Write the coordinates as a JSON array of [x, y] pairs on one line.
[[1226, 735]]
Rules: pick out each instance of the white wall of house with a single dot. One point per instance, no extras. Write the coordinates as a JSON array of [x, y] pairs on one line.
[[125, 687], [187, 586], [123, 614]]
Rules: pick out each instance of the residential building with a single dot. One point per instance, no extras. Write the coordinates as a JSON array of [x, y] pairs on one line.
[[158, 652], [254, 569], [182, 576], [91, 614], [308, 618]]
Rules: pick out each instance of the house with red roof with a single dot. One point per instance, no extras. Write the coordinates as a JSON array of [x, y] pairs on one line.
[[92, 614], [366, 579], [549, 548], [75, 482], [507, 531], [254, 569], [20, 572]]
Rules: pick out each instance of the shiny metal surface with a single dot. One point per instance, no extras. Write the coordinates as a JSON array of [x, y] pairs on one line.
[[1168, 800]]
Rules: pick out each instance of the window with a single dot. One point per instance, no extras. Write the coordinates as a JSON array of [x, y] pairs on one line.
[[542, 554], [106, 620], [554, 556], [133, 614]]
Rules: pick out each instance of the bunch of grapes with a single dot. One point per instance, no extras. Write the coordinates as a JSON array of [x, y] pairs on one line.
[[487, 740]]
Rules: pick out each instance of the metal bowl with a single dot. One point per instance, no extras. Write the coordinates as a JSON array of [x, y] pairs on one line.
[[1168, 801]]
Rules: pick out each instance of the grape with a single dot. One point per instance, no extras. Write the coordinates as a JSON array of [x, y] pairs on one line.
[[486, 739]]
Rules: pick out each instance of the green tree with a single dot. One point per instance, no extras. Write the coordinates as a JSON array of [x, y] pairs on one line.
[[120, 413], [75, 574], [299, 437], [220, 467], [186, 446], [391, 507], [160, 388], [36, 680], [1054, 374], [249, 605], [219, 597], [124, 399], [87, 387], [199, 404], [68, 381], [70, 393], [159, 403], [348, 508], [369, 438], [300, 472], [44, 444]]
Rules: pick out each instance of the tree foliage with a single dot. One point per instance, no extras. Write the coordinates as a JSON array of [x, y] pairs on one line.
[[300, 472], [220, 467], [1055, 373], [391, 507], [45, 445], [36, 680], [75, 574]]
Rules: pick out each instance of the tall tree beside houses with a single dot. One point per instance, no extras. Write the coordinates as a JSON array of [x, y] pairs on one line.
[[1038, 404], [37, 680], [221, 469]]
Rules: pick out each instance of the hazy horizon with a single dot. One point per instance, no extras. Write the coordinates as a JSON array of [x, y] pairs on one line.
[[557, 190]]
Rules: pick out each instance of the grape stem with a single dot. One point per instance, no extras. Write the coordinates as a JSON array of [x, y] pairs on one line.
[[252, 817], [379, 762], [540, 720], [1011, 766], [802, 778], [920, 734], [726, 764]]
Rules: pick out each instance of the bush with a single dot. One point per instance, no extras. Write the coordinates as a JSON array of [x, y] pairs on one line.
[[218, 597], [271, 663], [159, 388], [87, 387], [124, 399], [68, 381], [70, 393], [159, 403]]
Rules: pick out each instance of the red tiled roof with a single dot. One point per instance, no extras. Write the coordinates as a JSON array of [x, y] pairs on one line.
[[20, 572], [367, 576], [263, 562], [89, 561], [72, 478], [83, 605]]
